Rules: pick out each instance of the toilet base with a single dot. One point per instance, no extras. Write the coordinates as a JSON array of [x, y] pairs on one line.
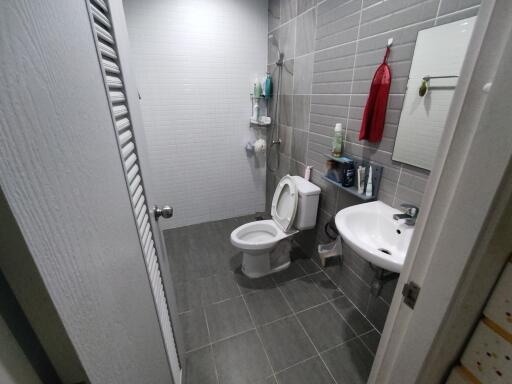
[[259, 264], [253, 274]]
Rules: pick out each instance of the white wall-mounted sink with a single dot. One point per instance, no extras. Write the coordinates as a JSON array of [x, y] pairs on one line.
[[370, 230]]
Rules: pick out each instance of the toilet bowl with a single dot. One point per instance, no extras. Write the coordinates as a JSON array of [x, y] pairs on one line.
[[294, 207]]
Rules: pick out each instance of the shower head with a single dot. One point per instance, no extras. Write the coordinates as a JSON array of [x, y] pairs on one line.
[[273, 41]]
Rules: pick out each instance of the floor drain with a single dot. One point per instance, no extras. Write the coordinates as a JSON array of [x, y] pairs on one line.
[[383, 250]]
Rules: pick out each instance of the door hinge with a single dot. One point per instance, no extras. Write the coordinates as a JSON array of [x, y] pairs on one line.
[[410, 292]]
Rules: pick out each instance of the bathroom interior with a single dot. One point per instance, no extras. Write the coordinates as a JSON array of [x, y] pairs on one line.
[[279, 165]]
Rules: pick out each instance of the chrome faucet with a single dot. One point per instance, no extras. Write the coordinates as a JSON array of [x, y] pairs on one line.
[[410, 214]]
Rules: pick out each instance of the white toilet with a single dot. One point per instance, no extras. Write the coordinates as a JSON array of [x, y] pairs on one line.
[[294, 208]]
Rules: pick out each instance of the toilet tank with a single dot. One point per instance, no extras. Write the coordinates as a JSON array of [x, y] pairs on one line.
[[307, 207]]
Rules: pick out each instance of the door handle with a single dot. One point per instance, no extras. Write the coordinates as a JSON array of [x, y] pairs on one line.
[[166, 212]]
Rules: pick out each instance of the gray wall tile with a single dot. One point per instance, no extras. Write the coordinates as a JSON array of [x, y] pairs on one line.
[[301, 110], [305, 38], [274, 14], [288, 10], [299, 145], [332, 49], [304, 5], [449, 6], [303, 75]]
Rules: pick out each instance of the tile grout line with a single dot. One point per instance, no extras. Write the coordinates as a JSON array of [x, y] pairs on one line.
[[351, 302], [304, 329], [360, 337], [309, 337], [294, 279], [211, 345], [306, 155], [287, 281], [258, 335]]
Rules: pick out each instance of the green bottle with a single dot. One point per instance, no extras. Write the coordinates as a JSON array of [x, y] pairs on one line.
[[337, 141]]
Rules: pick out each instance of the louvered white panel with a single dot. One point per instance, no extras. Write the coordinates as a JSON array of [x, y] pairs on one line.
[[127, 149], [122, 123], [124, 137], [105, 41], [132, 172], [102, 33], [114, 82], [120, 111], [110, 66], [99, 16], [117, 96], [101, 4], [106, 50], [130, 161]]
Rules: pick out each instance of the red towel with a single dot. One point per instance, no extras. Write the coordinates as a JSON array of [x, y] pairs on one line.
[[374, 115]]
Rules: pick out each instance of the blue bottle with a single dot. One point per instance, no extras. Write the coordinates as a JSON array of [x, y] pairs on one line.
[[268, 86]]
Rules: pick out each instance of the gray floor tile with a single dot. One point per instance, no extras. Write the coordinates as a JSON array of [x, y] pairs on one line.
[[371, 340], [326, 286], [248, 285], [377, 312], [266, 306], [352, 316], [286, 343], [349, 363], [193, 324], [308, 372], [241, 359], [200, 367], [302, 293], [325, 326], [227, 318], [308, 265], [292, 272], [188, 294], [218, 287]]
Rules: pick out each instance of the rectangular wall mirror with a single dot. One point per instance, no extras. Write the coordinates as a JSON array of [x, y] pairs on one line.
[[435, 70]]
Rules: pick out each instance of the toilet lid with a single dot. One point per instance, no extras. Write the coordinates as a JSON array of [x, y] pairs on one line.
[[284, 203]]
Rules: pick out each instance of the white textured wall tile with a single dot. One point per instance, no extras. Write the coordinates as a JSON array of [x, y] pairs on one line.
[[194, 62]]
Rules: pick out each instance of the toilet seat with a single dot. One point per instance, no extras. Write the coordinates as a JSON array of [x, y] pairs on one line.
[[258, 235], [284, 203], [265, 234]]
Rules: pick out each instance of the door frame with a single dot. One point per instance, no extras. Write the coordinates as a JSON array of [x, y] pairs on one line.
[[132, 99], [453, 255]]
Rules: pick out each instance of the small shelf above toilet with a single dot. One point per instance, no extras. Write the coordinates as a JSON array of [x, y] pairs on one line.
[[376, 176]]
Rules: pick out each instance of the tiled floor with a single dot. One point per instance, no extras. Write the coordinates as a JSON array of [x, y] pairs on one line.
[[292, 327]]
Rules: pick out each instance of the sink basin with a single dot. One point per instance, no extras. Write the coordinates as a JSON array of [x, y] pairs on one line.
[[370, 230]]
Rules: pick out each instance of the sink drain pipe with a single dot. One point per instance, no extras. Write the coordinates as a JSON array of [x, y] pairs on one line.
[[380, 278]]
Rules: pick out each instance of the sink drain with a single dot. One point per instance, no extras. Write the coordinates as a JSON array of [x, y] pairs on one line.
[[384, 250]]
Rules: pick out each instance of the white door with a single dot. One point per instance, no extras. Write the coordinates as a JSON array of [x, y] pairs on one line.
[[109, 29]]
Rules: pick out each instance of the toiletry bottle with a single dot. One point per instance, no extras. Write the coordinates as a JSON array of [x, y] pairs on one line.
[[268, 86], [361, 173], [337, 141], [256, 111], [347, 179], [307, 173], [369, 184], [257, 88]]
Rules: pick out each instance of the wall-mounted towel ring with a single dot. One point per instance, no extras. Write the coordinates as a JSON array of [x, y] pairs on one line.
[[425, 83]]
